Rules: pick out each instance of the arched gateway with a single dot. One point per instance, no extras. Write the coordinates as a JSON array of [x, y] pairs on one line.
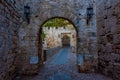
[[30, 43], [33, 56], [64, 38], [95, 21]]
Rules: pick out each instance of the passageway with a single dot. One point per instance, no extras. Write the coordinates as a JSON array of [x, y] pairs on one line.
[[31, 28], [61, 57], [62, 66]]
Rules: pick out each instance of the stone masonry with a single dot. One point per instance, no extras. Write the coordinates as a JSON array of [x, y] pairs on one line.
[[9, 24], [21, 43], [43, 10], [108, 28]]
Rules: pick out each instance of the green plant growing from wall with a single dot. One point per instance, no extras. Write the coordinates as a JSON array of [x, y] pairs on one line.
[[57, 22], [43, 36]]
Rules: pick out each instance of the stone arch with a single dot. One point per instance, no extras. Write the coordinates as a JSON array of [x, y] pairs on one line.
[[65, 40], [40, 39], [32, 30], [69, 19]]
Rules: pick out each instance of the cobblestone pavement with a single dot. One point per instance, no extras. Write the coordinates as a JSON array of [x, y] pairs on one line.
[[66, 71]]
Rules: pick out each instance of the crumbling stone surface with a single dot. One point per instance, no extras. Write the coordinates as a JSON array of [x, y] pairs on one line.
[[20, 45], [108, 12], [9, 24]]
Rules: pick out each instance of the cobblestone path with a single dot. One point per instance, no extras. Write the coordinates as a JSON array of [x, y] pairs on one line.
[[62, 66]]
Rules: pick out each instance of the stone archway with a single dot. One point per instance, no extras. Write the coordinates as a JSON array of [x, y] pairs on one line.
[[30, 43], [27, 40], [40, 51], [66, 40]]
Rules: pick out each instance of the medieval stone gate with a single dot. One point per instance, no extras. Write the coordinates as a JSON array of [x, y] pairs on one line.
[[66, 39], [25, 37], [30, 33], [39, 38], [29, 42]]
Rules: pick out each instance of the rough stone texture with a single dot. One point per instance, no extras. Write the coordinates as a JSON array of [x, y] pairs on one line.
[[18, 45], [9, 24], [108, 24], [43, 10]]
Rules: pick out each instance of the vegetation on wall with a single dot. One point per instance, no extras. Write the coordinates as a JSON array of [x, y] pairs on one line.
[[57, 22], [43, 36]]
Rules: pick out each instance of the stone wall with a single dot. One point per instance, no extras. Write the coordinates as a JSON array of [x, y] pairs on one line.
[[9, 24], [43, 10], [108, 24], [54, 36]]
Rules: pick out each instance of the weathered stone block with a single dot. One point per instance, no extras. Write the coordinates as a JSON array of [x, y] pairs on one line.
[[105, 40], [115, 29], [116, 72], [101, 32], [116, 38], [108, 48]]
